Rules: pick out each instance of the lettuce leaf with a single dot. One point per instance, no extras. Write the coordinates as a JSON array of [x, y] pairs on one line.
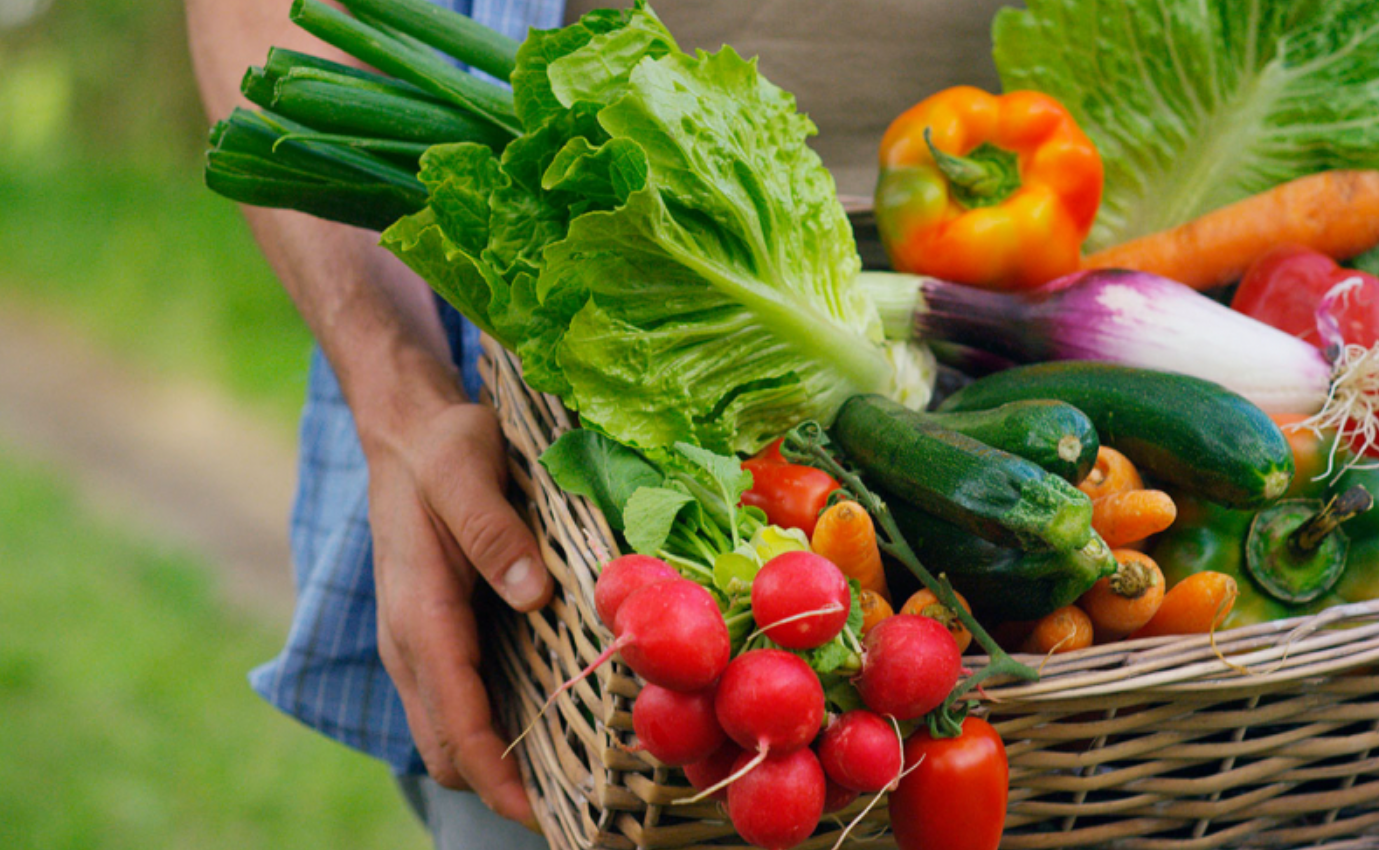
[[1197, 105], [661, 247]]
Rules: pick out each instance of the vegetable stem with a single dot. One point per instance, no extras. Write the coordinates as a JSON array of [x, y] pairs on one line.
[[806, 443]]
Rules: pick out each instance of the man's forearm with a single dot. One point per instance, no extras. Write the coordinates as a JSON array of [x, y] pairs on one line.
[[375, 320]]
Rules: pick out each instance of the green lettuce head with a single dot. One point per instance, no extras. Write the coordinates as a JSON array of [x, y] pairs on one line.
[[661, 247]]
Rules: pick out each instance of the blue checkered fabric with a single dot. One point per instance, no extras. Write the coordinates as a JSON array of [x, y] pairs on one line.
[[329, 674]]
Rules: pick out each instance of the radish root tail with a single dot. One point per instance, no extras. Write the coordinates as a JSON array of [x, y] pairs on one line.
[[608, 653], [718, 786], [1352, 406]]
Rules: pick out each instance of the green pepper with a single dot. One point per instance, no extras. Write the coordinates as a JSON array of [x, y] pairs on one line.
[[1208, 536], [1360, 582], [1296, 548]]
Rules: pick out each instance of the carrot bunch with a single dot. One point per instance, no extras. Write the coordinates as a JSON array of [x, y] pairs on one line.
[[1134, 602]]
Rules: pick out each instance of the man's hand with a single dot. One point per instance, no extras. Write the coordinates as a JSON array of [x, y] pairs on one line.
[[440, 522]]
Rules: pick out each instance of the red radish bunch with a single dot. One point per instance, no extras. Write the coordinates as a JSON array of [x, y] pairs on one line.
[[750, 730]]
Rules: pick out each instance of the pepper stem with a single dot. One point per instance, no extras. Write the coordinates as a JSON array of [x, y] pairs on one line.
[[983, 178], [1342, 507]]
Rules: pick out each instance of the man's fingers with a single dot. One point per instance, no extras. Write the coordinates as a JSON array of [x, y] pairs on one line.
[[458, 720], [493, 537], [438, 766]]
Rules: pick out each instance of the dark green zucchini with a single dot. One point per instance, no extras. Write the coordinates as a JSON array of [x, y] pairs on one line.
[[999, 582], [1192, 433], [1053, 434], [988, 492]]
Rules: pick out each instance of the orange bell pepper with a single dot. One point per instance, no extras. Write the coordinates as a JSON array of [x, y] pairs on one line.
[[997, 191]]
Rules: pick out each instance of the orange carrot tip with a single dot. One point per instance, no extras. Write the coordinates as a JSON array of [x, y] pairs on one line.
[[846, 535], [875, 608], [926, 604], [1065, 630], [1198, 604]]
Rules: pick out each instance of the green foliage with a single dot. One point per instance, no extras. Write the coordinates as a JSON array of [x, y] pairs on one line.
[[123, 78], [128, 721], [1196, 105], [166, 272]]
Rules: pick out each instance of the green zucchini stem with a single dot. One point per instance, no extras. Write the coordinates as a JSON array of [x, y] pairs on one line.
[[806, 443]]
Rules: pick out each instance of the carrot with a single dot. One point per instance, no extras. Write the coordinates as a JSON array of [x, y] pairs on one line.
[[1113, 473], [875, 608], [1125, 518], [846, 536], [924, 603], [1121, 603], [1334, 212], [1064, 630], [1198, 604]]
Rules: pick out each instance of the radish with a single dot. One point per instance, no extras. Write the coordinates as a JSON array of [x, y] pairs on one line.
[[677, 728], [910, 664], [672, 634], [800, 600], [777, 804], [861, 750], [836, 797], [621, 576], [770, 700], [712, 771]]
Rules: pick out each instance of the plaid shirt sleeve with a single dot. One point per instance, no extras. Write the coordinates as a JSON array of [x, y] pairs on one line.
[[329, 675]]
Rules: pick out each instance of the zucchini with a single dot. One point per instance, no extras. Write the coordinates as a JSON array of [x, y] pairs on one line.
[[988, 492], [1053, 434], [999, 582], [1189, 432]]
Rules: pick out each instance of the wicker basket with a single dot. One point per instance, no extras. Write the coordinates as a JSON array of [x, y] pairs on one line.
[[1157, 743]]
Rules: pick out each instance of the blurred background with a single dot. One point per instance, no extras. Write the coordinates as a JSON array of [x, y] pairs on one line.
[[150, 374]]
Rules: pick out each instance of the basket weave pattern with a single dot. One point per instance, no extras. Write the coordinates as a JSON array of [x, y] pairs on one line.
[[1265, 736]]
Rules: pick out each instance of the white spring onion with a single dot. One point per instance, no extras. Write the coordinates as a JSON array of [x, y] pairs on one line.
[[1140, 319]]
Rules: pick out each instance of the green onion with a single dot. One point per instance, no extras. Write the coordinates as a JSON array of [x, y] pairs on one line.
[[338, 104], [266, 160], [424, 69], [446, 30]]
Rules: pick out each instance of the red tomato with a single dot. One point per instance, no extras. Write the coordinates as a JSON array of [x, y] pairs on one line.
[[955, 798], [1284, 286], [792, 495]]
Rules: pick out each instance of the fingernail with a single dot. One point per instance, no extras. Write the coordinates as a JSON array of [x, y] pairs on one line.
[[523, 584]]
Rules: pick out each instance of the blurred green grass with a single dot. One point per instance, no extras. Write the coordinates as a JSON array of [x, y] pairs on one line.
[[126, 718], [128, 722], [158, 269]]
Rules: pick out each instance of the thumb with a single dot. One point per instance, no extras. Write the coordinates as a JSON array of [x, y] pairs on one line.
[[499, 545]]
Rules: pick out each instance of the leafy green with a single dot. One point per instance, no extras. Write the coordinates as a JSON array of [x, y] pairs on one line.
[[1196, 105], [589, 464], [661, 247], [652, 512]]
